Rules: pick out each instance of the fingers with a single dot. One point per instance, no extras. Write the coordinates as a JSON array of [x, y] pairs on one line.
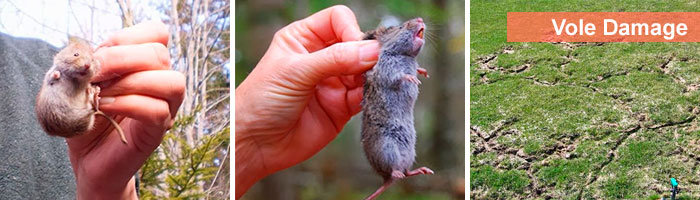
[[347, 58], [161, 84], [151, 111], [120, 60], [340, 19], [326, 27], [146, 32], [353, 81], [354, 99], [355, 89]]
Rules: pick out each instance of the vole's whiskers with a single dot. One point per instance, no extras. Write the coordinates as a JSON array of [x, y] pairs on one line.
[[431, 31], [431, 39], [429, 24], [430, 36]]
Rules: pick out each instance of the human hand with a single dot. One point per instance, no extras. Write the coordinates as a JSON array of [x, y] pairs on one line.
[[144, 93], [301, 94]]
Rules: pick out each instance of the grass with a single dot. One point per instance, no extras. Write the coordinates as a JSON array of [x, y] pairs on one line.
[[581, 120], [501, 182]]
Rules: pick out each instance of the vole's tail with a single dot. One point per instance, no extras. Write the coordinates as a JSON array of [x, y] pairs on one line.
[[379, 191], [115, 124], [397, 175]]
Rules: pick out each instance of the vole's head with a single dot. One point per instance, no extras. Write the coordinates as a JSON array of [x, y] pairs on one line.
[[76, 60], [406, 39]]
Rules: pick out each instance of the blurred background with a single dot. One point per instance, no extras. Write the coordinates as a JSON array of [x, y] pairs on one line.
[[192, 162], [340, 171]]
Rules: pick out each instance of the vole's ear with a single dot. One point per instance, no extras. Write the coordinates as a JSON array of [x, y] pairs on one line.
[[374, 34], [370, 35], [77, 40], [73, 39]]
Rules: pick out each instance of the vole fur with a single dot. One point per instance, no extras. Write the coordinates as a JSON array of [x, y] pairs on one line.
[[67, 102], [390, 92]]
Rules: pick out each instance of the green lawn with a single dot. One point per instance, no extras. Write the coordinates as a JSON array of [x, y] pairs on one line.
[[581, 120]]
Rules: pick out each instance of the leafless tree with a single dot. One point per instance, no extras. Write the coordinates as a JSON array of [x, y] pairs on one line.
[[199, 49]]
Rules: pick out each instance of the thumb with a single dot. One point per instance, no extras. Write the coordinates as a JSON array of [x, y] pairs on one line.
[[346, 58]]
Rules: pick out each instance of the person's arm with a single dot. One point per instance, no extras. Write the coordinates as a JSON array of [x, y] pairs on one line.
[[301, 93], [138, 87]]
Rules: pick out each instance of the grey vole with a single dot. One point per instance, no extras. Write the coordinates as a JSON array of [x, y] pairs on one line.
[[67, 103], [390, 92]]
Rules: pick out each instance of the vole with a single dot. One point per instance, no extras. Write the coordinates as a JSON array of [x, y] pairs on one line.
[[390, 92], [67, 102]]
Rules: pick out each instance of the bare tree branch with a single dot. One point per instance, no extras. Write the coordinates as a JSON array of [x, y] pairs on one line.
[[35, 20], [217, 102], [77, 21], [127, 14]]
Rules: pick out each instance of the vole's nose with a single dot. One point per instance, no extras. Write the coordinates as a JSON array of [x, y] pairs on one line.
[[87, 66]]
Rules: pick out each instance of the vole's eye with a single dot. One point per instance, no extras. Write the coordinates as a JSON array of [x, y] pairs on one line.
[[76, 54]]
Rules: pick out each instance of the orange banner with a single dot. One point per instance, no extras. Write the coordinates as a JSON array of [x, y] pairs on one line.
[[603, 27]]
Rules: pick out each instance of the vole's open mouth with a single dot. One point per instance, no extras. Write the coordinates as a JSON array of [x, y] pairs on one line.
[[85, 70], [418, 37]]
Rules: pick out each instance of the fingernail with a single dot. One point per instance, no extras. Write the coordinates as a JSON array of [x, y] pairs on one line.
[[99, 63], [107, 100], [104, 44], [98, 56], [170, 124], [369, 51]]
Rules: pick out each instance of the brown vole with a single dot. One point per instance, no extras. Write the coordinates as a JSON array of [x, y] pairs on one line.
[[67, 102], [390, 92]]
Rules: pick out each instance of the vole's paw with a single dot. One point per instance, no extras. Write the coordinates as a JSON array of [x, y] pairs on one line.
[[421, 170], [397, 174], [424, 72], [93, 95], [412, 79], [56, 75]]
